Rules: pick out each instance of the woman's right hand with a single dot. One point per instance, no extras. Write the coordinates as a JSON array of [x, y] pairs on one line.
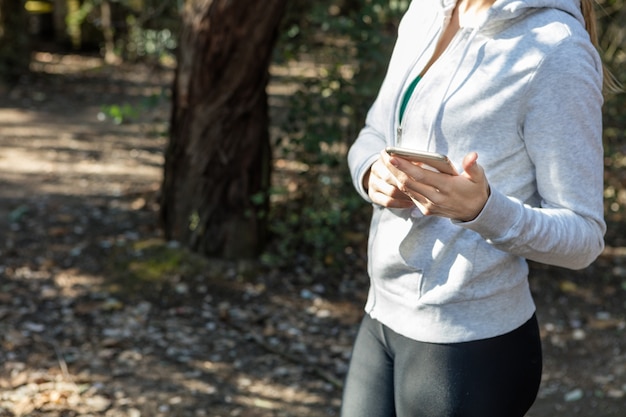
[[382, 188]]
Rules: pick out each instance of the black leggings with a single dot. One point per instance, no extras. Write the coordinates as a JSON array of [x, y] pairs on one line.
[[391, 375]]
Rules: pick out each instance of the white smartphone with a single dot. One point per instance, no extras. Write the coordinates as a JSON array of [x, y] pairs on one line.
[[428, 160]]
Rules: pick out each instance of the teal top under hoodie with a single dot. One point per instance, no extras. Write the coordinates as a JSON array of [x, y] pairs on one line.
[[523, 89]]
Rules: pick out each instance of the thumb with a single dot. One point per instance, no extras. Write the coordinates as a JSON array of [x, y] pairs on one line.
[[471, 169]]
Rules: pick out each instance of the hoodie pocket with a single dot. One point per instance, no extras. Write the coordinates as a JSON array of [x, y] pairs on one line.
[[452, 280], [445, 256]]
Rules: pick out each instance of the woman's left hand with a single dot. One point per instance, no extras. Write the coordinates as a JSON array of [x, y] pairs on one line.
[[458, 197]]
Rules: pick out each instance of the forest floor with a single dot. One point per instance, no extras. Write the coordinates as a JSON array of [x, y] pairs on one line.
[[100, 317]]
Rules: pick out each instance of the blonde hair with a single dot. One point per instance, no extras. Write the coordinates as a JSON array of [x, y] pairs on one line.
[[611, 84]]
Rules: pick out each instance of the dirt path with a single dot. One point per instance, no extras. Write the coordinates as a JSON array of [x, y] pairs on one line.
[[100, 317]]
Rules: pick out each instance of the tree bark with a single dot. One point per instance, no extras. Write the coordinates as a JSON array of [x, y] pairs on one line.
[[217, 164]]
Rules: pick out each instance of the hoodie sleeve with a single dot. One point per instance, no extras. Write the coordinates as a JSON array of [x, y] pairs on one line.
[[363, 153], [562, 130]]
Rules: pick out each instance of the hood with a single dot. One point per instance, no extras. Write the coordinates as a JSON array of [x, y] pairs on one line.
[[504, 10]]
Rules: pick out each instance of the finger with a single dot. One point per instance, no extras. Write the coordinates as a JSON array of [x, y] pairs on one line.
[[381, 172], [386, 194], [413, 179], [378, 185], [474, 172], [385, 200], [424, 205], [471, 168]]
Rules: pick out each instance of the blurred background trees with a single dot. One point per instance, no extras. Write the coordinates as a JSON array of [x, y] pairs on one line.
[[612, 37], [118, 29], [329, 58]]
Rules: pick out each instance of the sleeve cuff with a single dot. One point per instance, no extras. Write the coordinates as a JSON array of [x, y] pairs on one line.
[[358, 180], [497, 218]]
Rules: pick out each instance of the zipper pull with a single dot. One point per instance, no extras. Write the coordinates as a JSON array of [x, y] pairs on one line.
[[398, 135]]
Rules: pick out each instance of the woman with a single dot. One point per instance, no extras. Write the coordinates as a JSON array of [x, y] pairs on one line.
[[450, 328]]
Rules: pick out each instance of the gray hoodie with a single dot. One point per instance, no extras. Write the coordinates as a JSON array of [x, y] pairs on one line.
[[523, 89]]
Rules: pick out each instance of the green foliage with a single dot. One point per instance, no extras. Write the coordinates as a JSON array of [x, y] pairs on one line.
[[119, 113], [321, 228], [126, 112], [611, 15], [77, 14], [149, 43], [611, 31], [142, 29]]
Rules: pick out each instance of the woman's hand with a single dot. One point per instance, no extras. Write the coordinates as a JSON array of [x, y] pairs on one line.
[[382, 186], [459, 197]]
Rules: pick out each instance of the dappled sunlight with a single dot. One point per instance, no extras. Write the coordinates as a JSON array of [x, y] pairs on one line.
[[52, 156], [64, 64], [247, 391], [220, 342], [101, 316]]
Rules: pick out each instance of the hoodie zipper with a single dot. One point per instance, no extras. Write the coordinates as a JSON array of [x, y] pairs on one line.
[[453, 44], [406, 77]]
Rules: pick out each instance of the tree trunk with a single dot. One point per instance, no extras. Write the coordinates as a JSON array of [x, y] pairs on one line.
[[217, 165], [14, 40], [108, 32]]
